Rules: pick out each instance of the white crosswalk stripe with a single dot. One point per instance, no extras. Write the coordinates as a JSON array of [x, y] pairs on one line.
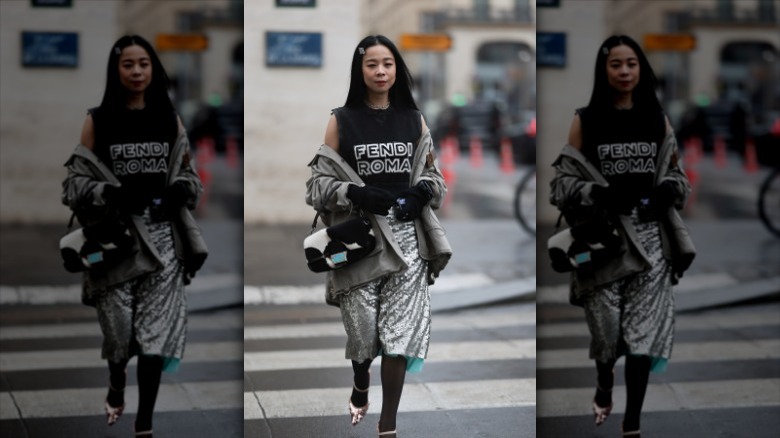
[[681, 388], [48, 376], [455, 393]]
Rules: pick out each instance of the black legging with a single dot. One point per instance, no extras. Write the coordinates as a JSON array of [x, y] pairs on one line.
[[393, 377], [149, 373], [637, 374]]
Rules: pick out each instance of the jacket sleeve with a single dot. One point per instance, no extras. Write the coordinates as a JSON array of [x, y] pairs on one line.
[[325, 189], [569, 189], [189, 177], [676, 175], [81, 190], [431, 173]]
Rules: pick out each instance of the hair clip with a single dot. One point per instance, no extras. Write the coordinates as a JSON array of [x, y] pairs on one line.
[[361, 50], [605, 50], [117, 50]]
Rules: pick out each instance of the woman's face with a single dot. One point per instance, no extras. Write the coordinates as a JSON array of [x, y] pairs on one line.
[[135, 69], [622, 69], [378, 69]]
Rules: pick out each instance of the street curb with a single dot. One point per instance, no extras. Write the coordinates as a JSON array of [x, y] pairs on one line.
[[689, 298], [205, 292], [523, 288], [724, 295]]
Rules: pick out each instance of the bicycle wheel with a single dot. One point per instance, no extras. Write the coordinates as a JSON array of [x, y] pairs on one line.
[[525, 202], [769, 202]]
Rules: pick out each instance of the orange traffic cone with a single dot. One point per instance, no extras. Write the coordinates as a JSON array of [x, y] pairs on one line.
[[231, 152], [751, 160], [448, 152], [692, 151], [720, 151], [476, 152], [507, 162]]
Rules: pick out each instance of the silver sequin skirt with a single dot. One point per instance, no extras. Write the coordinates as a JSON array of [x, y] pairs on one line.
[[635, 315], [392, 314], [148, 314]]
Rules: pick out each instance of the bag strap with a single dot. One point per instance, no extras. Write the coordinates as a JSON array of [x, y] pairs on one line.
[[322, 209], [558, 222], [70, 222]]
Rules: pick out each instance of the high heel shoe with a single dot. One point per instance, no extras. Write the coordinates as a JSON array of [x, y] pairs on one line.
[[601, 412], [387, 432], [631, 433], [114, 412], [357, 413]]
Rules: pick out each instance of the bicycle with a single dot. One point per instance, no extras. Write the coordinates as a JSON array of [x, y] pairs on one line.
[[525, 202], [769, 202]]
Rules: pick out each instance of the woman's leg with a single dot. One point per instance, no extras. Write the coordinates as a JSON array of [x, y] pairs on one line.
[[149, 374], [605, 380], [393, 375], [117, 379], [361, 380], [637, 375], [115, 399]]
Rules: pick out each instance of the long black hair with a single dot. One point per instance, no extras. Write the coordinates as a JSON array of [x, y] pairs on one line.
[[400, 94], [643, 95], [155, 96]]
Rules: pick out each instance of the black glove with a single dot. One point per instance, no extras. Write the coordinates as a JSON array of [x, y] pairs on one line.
[[175, 196], [114, 196], [597, 231], [371, 199], [610, 199], [663, 196], [411, 202]]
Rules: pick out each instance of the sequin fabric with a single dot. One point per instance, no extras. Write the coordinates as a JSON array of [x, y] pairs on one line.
[[392, 313], [635, 314], [148, 314]]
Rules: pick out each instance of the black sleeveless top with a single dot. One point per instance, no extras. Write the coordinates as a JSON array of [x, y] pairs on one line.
[[623, 145], [379, 144], [136, 146]]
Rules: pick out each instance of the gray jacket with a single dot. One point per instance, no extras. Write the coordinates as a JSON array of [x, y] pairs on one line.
[[570, 190], [83, 193], [331, 173]]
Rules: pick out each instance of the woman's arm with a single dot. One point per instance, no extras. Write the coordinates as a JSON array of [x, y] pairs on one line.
[[568, 190], [332, 133], [186, 185], [675, 178], [88, 133], [575, 132]]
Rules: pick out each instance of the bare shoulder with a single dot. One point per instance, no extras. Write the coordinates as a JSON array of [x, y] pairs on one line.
[[88, 132], [575, 132], [180, 124], [332, 133], [668, 124]]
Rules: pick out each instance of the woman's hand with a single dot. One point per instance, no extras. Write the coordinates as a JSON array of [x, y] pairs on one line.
[[371, 199], [412, 201]]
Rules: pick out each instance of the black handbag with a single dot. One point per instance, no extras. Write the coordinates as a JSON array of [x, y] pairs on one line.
[[584, 246], [95, 246], [339, 245]]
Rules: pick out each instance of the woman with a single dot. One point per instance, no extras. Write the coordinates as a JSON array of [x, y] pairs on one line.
[[620, 172], [378, 155], [131, 174]]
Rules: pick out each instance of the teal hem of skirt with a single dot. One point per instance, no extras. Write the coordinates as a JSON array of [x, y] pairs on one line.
[[414, 365], [657, 364], [171, 364]]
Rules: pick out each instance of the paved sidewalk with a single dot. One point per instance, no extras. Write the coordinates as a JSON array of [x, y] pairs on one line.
[[737, 260], [31, 271]]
